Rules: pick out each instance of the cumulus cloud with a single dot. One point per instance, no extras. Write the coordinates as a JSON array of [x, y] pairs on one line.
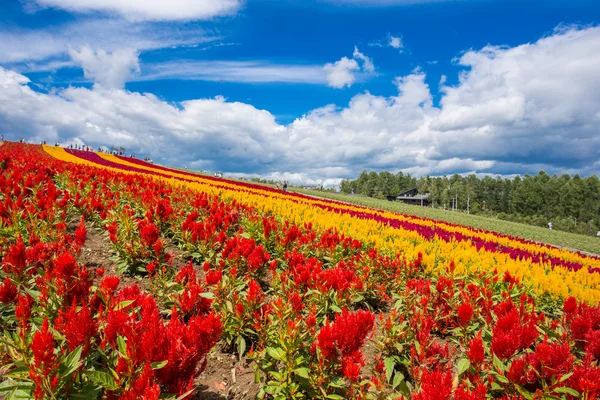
[[513, 110], [342, 73], [109, 70], [150, 10]]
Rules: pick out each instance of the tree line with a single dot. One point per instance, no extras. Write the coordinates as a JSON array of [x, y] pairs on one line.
[[571, 203]]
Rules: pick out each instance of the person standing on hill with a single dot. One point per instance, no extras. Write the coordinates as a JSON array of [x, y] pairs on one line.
[[284, 186], [550, 225]]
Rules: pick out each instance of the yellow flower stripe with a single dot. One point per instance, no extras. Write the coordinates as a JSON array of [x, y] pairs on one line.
[[437, 254], [562, 254]]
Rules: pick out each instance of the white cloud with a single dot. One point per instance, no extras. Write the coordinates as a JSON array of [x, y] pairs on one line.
[[340, 74], [150, 10], [235, 71], [109, 70], [367, 63], [395, 42], [513, 110], [20, 47]]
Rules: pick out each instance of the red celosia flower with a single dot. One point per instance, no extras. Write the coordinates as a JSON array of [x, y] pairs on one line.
[[465, 313], [80, 233], [23, 309], [15, 259], [592, 345], [149, 233], [78, 327], [151, 268], [8, 291], [586, 379], [297, 303], [42, 347], [570, 305], [144, 387], [109, 284], [345, 336], [351, 366], [255, 293], [516, 372], [513, 332], [476, 352], [239, 308], [550, 360], [213, 277], [65, 266], [464, 394], [192, 302], [435, 385]]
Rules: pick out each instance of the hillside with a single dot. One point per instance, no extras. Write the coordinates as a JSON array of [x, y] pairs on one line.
[[552, 237]]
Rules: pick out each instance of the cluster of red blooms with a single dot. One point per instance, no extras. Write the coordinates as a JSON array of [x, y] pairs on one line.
[[343, 340], [42, 280]]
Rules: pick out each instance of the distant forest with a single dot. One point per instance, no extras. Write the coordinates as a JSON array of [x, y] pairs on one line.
[[571, 203]]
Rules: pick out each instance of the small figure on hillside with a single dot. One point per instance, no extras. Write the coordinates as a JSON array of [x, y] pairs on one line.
[[2, 138], [44, 142], [284, 186], [598, 234], [550, 225]]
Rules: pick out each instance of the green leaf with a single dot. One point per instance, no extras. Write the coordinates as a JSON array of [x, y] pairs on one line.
[[159, 364], [122, 346], [103, 379], [241, 345], [335, 397], [336, 308], [19, 394], [90, 391], [275, 353], [124, 304], [302, 372], [72, 362], [565, 377], [390, 363], [463, 365], [398, 379], [498, 364], [7, 386], [207, 295], [567, 390]]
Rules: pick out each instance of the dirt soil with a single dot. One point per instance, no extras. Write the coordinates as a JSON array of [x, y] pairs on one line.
[[226, 378]]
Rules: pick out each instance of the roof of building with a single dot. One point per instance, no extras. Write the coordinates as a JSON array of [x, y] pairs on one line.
[[415, 197]]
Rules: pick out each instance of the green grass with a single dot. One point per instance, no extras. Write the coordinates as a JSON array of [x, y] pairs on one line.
[[553, 237]]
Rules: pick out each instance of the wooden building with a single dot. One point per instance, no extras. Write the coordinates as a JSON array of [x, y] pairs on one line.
[[413, 197]]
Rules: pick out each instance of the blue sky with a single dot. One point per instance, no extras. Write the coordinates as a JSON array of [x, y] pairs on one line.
[[312, 90]]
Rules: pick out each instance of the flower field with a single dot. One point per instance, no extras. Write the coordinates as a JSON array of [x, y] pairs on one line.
[[322, 299]]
